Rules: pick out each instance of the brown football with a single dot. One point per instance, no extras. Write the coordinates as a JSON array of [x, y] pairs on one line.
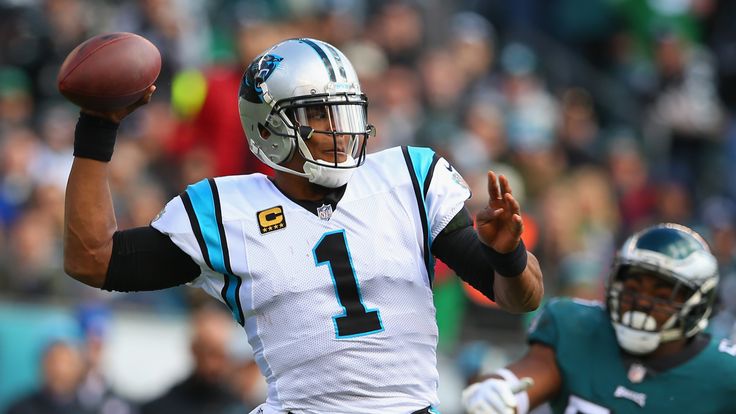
[[109, 71]]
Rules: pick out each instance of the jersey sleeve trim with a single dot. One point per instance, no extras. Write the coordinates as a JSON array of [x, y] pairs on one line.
[[202, 202], [187, 201], [421, 162], [430, 173]]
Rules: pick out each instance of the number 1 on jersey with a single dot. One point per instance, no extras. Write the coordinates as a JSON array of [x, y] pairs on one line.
[[332, 250]]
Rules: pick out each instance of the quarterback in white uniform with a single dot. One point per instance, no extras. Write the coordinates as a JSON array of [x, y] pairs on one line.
[[329, 264]]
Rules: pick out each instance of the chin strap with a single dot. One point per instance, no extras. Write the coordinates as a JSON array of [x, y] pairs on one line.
[[328, 176]]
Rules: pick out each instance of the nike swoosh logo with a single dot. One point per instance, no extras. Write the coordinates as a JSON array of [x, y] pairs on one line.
[[449, 167]]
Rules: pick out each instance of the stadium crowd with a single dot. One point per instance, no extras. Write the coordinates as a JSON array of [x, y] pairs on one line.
[[606, 116]]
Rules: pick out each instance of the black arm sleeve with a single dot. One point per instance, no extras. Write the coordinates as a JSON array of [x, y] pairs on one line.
[[458, 246], [143, 258]]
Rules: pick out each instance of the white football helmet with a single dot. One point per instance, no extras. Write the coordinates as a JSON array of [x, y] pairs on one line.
[[280, 86], [682, 258]]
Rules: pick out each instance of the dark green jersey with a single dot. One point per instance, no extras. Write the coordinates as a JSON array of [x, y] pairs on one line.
[[595, 378]]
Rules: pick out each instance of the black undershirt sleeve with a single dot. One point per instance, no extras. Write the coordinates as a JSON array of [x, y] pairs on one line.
[[458, 247], [143, 258]]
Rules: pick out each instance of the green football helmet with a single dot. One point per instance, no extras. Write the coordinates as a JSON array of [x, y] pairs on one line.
[[680, 257]]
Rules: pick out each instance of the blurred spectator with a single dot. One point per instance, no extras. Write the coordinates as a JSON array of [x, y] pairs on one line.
[[580, 276], [64, 25], [398, 27], [215, 125], [685, 123], [441, 86], [478, 358], [723, 322], [531, 116], [95, 393], [579, 216], [16, 101], [18, 150], [483, 140], [62, 370], [603, 112], [674, 203], [32, 260], [636, 193], [400, 103], [584, 26], [578, 130], [206, 389], [646, 18], [54, 160], [178, 29], [472, 40], [442, 94], [719, 218], [532, 112], [720, 39], [216, 128], [246, 379]]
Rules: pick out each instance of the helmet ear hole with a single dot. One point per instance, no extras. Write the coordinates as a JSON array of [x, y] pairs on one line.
[[306, 132], [263, 132]]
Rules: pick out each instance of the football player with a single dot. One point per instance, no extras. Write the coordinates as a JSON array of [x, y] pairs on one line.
[[329, 265], [643, 352]]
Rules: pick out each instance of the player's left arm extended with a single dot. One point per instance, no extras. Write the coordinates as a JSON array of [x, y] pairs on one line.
[[459, 246], [493, 249], [499, 225]]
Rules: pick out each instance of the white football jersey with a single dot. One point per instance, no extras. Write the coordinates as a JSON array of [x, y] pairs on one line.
[[337, 305]]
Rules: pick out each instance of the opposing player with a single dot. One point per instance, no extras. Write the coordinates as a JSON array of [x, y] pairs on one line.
[[329, 265], [644, 352]]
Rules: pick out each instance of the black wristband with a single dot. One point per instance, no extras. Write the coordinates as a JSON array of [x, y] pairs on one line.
[[508, 264], [94, 138]]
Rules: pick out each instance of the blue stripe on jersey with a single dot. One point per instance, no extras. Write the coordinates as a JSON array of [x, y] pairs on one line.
[[430, 174], [232, 284], [420, 162], [205, 202], [323, 56], [195, 226]]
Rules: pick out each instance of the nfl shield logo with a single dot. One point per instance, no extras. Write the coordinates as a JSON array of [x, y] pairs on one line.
[[325, 212]]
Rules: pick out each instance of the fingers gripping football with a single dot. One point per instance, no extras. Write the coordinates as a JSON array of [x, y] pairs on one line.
[[117, 115]]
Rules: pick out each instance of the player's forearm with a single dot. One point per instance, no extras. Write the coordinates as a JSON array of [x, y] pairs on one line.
[[522, 293], [540, 365], [89, 222], [528, 383]]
